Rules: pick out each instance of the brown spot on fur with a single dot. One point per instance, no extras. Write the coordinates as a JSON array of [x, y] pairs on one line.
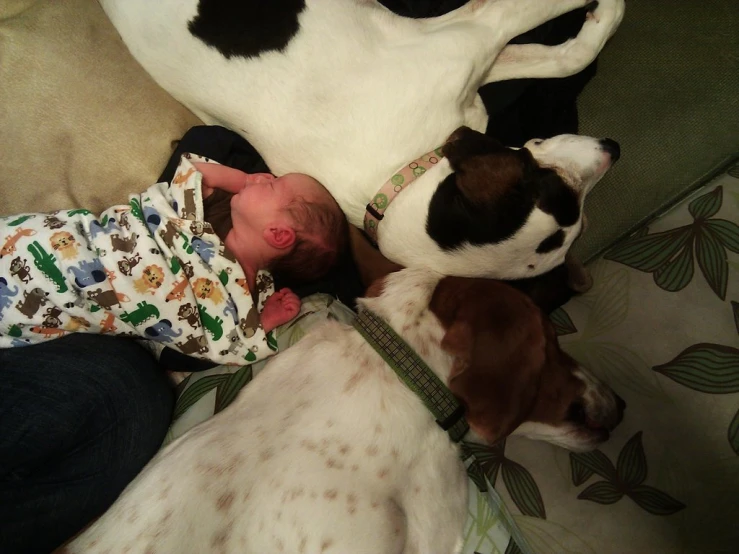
[[371, 450], [383, 473], [330, 494], [344, 449], [378, 429], [224, 502], [309, 445], [333, 464], [301, 546], [351, 503], [329, 423], [265, 455], [326, 544], [375, 504], [297, 493], [221, 537], [164, 493], [355, 467], [354, 381]]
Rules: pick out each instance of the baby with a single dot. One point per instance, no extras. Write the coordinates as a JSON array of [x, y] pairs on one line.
[[185, 263]]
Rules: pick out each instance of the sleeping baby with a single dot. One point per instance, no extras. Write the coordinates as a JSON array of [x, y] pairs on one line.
[[185, 263]]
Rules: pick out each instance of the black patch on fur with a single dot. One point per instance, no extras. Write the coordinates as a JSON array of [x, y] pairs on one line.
[[552, 242], [246, 28], [454, 220], [557, 199]]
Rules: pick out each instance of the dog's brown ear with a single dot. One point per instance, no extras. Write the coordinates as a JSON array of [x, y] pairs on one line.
[[370, 262], [497, 338], [484, 169]]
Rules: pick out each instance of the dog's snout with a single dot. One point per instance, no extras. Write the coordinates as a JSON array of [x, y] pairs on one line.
[[611, 147]]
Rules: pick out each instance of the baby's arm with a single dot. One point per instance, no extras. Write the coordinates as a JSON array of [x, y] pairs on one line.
[[280, 308], [216, 176]]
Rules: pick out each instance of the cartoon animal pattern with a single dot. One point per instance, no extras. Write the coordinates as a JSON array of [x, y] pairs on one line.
[[152, 269]]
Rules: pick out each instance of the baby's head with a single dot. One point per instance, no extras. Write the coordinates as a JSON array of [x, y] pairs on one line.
[[321, 232], [302, 225]]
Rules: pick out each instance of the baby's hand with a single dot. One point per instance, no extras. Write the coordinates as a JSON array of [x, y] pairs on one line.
[[259, 178], [280, 308]]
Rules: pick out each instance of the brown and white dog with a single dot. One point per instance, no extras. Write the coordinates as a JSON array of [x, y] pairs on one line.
[[327, 451], [349, 92]]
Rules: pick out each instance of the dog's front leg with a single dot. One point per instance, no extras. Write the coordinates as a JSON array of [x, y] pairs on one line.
[[536, 61]]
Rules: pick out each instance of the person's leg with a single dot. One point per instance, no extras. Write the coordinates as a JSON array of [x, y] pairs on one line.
[[79, 417]]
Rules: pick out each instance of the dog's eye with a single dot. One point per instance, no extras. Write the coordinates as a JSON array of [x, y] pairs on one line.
[[537, 141], [576, 412]]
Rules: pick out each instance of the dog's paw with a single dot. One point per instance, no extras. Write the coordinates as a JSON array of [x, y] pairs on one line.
[[608, 13]]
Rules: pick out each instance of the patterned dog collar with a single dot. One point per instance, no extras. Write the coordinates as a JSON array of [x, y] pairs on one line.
[[402, 178], [414, 372]]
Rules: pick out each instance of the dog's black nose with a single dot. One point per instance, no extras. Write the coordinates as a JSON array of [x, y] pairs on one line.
[[612, 147]]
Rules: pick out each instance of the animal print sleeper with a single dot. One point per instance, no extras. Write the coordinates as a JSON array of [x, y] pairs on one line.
[[152, 269]]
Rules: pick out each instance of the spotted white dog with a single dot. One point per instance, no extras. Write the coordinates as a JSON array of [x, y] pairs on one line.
[[349, 92], [328, 452]]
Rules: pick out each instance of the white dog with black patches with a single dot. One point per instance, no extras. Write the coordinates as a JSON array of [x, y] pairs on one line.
[[349, 92]]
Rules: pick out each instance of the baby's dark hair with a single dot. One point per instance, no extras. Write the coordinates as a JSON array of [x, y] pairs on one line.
[[321, 235]]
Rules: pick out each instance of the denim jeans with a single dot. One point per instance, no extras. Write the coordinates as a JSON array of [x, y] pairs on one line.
[[80, 416]]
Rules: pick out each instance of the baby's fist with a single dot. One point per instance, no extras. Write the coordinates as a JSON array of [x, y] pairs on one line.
[[280, 308]]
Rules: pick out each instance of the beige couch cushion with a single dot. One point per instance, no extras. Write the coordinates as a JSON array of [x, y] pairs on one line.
[[82, 124]]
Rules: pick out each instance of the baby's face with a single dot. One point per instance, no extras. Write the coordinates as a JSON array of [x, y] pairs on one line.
[[264, 201]]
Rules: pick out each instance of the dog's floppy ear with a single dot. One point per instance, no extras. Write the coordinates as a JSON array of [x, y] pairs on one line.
[[484, 169], [497, 337]]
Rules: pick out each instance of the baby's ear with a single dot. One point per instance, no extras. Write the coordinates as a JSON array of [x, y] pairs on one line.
[[279, 236]]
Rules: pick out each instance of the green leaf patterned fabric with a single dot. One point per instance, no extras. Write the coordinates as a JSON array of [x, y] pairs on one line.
[[654, 501], [602, 492], [632, 463], [523, 489], [710, 368]]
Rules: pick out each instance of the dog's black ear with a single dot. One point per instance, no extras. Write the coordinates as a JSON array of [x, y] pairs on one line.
[[464, 142], [484, 169]]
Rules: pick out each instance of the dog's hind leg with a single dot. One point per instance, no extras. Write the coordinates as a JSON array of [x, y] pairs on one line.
[[536, 61]]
